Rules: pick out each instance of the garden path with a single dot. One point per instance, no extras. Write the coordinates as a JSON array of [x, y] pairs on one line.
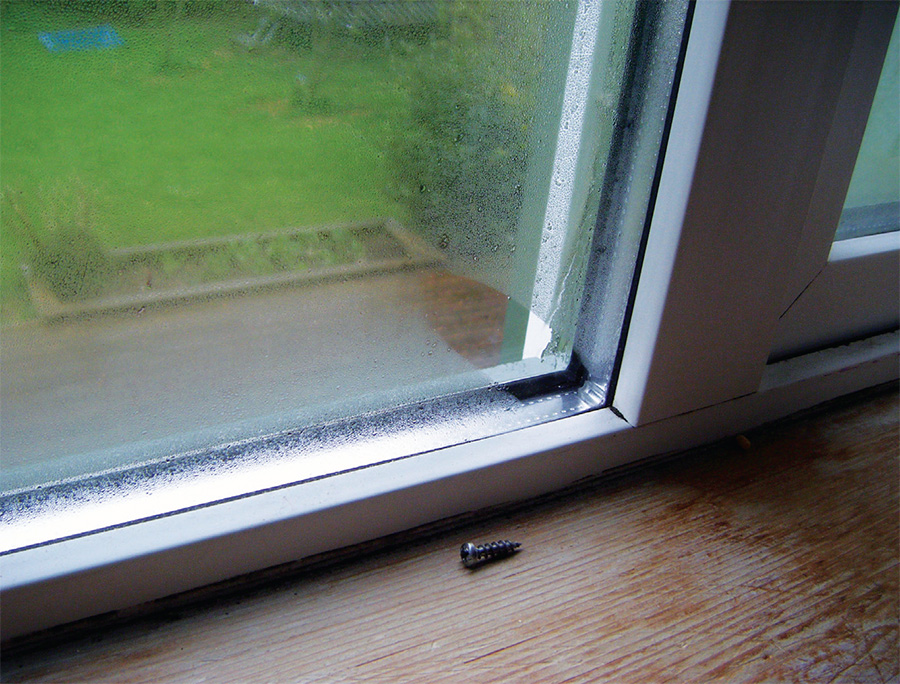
[[79, 388]]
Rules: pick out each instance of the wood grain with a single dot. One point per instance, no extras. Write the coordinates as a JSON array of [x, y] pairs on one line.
[[775, 560]]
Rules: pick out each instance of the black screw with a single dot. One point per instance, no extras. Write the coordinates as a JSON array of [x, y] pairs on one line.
[[473, 556]]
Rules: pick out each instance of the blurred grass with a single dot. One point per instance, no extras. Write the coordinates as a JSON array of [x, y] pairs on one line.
[[183, 133]]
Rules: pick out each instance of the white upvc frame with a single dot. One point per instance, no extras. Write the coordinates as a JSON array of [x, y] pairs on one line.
[[695, 365], [843, 290], [752, 230]]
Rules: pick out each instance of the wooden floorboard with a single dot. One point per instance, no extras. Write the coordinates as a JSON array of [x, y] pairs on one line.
[[776, 561]]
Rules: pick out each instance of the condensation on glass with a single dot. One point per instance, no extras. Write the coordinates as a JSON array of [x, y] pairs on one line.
[[872, 205], [227, 220]]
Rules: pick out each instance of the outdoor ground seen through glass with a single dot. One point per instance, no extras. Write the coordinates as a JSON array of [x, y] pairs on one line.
[[217, 216]]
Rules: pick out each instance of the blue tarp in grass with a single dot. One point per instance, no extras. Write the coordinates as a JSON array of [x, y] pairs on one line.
[[96, 38]]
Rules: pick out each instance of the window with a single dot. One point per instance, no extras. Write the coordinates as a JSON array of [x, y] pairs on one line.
[[698, 334], [156, 294]]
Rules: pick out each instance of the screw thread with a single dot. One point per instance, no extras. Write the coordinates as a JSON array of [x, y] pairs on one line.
[[473, 555]]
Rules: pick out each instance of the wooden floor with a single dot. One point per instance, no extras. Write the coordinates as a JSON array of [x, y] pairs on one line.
[[775, 560]]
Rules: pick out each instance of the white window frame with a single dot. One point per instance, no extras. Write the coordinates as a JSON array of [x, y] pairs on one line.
[[695, 368], [846, 289]]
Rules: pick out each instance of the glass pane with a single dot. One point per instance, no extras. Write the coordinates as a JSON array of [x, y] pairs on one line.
[[873, 199], [225, 219]]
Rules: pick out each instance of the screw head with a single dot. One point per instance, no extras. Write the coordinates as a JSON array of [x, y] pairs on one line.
[[468, 553]]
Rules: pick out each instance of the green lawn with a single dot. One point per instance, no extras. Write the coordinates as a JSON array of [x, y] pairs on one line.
[[184, 133]]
